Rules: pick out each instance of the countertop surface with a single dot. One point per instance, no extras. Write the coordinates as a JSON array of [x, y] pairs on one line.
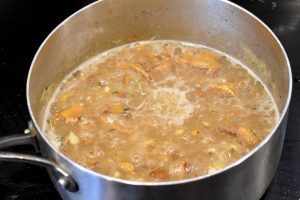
[[24, 24]]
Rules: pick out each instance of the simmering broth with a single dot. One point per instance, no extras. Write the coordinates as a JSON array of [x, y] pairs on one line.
[[159, 111]]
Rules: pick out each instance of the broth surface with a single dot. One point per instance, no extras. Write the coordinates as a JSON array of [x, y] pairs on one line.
[[159, 111]]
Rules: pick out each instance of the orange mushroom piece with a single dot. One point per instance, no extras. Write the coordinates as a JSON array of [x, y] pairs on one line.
[[73, 111], [204, 59], [137, 67], [246, 136]]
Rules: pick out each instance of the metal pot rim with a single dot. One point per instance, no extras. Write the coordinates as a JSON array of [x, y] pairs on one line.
[[138, 183]]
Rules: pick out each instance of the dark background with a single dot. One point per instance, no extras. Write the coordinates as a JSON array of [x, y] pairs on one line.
[[24, 24]]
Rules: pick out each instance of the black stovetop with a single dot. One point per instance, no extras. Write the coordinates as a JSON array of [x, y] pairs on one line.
[[24, 24]]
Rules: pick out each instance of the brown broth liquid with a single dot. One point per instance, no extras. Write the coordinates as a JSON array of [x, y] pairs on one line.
[[159, 111]]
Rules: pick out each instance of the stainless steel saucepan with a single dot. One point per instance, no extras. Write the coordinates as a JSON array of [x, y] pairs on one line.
[[105, 24]]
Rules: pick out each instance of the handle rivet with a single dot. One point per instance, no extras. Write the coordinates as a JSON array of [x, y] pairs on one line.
[[27, 131]]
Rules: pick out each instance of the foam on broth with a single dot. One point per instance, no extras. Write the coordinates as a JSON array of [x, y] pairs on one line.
[[169, 104]]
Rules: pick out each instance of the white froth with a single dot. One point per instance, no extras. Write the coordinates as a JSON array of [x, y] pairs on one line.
[[167, 106]]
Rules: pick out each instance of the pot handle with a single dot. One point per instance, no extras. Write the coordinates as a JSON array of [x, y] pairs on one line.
[[29, 137]]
